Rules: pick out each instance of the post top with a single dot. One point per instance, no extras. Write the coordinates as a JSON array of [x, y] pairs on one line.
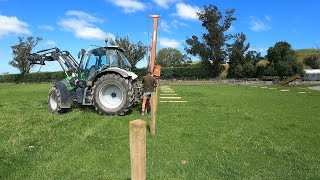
[[138, 122], [154, 16]]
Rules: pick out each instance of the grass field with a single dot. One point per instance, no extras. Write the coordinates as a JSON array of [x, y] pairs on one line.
[[222, 132]]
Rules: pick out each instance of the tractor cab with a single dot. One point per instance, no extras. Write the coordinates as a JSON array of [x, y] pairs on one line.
[[96, 59]]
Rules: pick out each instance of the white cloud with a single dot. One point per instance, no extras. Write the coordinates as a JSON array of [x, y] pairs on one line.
[[186, 11], [176, 24], [85, 16], [13, 25], [164, 26], [164, 3], [83, 26], [267, 17], [166, 42], [261, 50], [46, 27], [258, 25], [129, 6], [231, 29], [50, 43], [167, 27]]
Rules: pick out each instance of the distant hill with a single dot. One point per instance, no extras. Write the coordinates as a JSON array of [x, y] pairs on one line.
[[303, 53], [263, 62]]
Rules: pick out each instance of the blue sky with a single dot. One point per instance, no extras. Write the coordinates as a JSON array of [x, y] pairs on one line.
[[75, 24]]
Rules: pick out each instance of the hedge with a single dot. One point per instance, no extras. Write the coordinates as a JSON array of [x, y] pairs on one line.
[[33, 77], [177, 73], [166, 73]]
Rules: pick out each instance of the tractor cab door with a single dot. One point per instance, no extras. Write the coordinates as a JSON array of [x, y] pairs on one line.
[[116, 58], [95, 58], [112, 58]]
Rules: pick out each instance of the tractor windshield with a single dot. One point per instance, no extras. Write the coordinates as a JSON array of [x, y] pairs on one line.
[[93, 59], [98, 58]]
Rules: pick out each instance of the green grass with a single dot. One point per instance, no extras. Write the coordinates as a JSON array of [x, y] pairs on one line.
[[223, 132]]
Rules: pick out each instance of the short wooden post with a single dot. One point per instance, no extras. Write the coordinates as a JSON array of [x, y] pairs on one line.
[[138, 149]]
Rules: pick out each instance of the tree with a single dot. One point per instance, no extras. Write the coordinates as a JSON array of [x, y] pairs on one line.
[[269, 70], [211, 48], [238, 49], [19, 52], [236, 55], [284, 59], [134, 52], [235, 71], [259, 70], [281, 51], [253, 57], [312, 61], [171, 57], [248, 70]]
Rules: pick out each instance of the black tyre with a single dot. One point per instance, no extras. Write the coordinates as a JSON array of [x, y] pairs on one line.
[[54, 100], [135, 99], [132, 84], [111, 95]]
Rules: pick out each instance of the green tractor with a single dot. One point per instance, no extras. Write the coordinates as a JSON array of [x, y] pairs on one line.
[[102, 78]]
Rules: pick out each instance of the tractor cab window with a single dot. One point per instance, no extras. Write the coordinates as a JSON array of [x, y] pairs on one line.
[[113, 58], [99, 58], [125, 63], [95, 57], [116, 58], [91, 63]]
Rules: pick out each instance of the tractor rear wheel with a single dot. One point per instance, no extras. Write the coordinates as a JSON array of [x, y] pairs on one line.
[[54, 100], [111, 95], [134, 99]]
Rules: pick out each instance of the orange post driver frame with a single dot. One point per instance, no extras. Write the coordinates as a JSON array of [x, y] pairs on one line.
[[156, 71]]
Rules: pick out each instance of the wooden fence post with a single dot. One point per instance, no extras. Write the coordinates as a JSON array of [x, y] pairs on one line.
[[153, 113], [138, 149]]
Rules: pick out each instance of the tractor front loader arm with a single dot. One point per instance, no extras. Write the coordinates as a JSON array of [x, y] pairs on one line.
[[65, 59]]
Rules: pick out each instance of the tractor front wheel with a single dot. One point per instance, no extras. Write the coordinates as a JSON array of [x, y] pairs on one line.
[[54, 100], [111, 95]]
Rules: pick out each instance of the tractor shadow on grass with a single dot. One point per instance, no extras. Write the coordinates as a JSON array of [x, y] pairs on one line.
[[86, 109], [82, 108], [91, 109]]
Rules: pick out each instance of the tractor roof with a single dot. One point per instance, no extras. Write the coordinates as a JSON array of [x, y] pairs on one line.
[[115, 47]]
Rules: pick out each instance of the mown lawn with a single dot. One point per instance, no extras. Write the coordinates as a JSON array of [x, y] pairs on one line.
[[222, 132]]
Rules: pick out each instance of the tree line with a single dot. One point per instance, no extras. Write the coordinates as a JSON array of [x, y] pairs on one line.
[[217, 49]]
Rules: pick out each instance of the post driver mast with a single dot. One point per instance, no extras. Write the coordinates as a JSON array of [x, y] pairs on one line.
[[155, 70], [154, 43]]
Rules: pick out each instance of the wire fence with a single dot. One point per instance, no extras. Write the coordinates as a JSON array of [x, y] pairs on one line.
[[235, 82]]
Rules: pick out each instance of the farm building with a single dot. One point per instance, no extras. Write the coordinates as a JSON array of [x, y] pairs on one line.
[[311, 75]]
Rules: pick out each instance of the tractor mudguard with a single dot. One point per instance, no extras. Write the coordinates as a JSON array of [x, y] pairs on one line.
[[122, 72], [65, 97], [116, 70]]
